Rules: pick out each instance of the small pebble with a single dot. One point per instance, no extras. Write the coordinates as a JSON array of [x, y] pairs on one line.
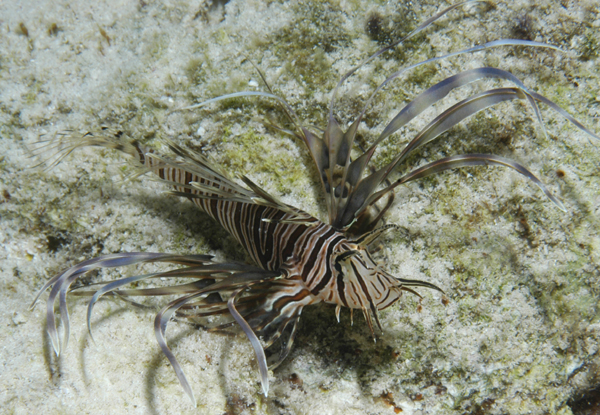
[[18, 318]]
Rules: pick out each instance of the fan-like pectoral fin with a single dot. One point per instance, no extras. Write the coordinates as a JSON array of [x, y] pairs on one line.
[[438, 91], [448, 119], [363, 192], [357, 201], [361, 189], [62, 282], [208, 279], [234, 284], [274, 316]]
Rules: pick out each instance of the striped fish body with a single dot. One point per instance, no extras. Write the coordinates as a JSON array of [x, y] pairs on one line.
[[270, 235], [310, 249], [299, 261]]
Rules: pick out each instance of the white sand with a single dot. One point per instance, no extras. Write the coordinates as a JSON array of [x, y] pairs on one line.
[[521, 331]]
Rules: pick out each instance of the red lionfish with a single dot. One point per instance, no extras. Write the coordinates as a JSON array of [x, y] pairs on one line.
[[298, 259]]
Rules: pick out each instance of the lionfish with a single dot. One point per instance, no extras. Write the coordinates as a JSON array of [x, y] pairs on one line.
[[298, 259]]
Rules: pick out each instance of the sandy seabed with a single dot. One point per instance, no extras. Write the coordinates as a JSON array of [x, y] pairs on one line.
[[521, 330]]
